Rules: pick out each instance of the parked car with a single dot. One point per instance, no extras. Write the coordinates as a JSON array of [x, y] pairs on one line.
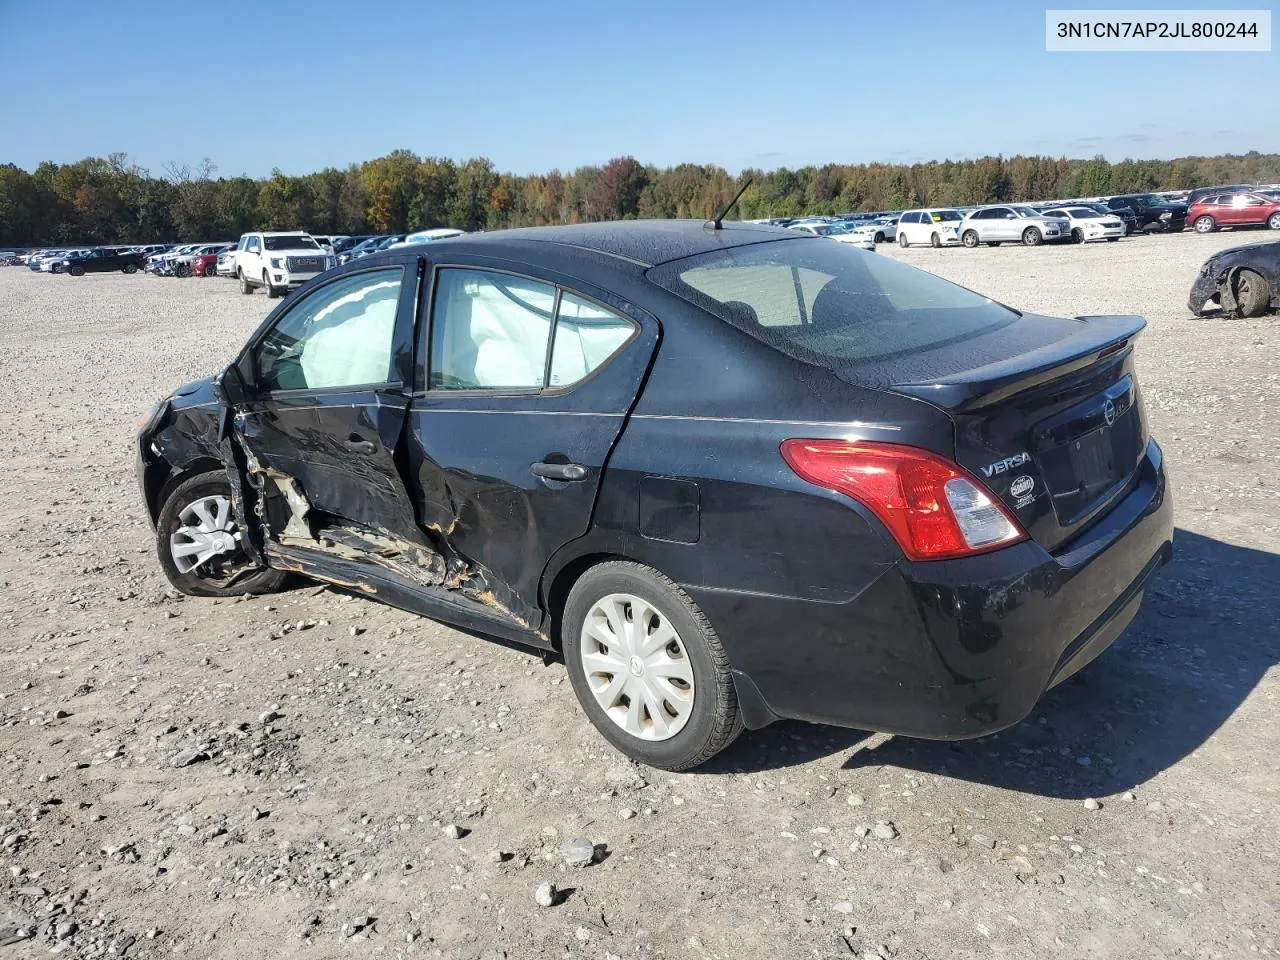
[[936, 227], [1013, 223], [428, 236], [1199, 193], [838, 231], [798, 481], [1234, 210], [1152, 213], [102, 260], [56, 263], [1240, 281], [163, 263], [365, 247], [1085, 223], [204, 261], [226, 263], [37, 258], [279, 261]]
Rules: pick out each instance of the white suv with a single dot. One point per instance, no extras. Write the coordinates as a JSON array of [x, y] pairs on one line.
[[279, 262]]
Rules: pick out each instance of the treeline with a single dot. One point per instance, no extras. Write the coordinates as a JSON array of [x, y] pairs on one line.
[[113, 200]]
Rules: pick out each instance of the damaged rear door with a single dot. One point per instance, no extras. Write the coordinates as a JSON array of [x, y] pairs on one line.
[[321, 430], [526, 381]]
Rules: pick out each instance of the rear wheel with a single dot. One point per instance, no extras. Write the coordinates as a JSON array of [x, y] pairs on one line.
[[902, 241], [199, 543], [1205, 224], [1253, 294], [1032, 237], [647, 667], [245, 285], [969, 239]]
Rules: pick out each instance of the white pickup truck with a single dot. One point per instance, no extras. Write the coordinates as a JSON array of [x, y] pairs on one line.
[[279, 262]]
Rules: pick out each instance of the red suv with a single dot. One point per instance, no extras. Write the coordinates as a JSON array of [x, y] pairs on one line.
[[1234, 210]]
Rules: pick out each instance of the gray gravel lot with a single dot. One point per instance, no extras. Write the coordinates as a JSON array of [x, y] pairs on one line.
[[360, 782]]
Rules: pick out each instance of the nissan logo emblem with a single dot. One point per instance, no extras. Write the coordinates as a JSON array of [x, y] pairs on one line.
[[1109, 412]]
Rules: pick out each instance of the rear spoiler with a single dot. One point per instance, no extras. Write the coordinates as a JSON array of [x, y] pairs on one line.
[[1098, 338]]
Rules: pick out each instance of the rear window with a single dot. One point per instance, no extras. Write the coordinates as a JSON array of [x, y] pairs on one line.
[[828, 304]]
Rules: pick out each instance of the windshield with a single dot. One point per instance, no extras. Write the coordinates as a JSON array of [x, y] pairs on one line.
[[944, 216], [828, 304], [292, 242]]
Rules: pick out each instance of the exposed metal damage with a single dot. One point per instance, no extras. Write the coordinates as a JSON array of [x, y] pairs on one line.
[[301, 539]]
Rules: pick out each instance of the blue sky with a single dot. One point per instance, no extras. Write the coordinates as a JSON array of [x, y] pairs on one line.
[[536, 86]]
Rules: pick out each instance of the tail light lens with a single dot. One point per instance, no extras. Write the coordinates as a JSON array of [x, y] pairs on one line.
[[931, 506]]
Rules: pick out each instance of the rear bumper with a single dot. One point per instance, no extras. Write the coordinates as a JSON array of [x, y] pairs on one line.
[[952, 649]]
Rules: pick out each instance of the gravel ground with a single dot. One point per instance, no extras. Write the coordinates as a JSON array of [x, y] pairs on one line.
[[361, 782]]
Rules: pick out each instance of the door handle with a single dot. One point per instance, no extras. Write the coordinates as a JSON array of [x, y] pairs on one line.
[[358, 445], [559, 471]]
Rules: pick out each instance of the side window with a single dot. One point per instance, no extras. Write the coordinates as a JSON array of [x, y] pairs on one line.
[[489, 331], [910, 218], [252, 245], [339, 335], [586, 336]]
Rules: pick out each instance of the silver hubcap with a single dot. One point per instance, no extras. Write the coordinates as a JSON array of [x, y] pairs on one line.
[[207, 531], [637, 667]]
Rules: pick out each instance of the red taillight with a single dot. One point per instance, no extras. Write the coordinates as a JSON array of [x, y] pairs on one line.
[[931, 506]]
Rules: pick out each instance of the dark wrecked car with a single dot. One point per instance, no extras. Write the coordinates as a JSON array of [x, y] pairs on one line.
[[1240, 281], [731, 475]]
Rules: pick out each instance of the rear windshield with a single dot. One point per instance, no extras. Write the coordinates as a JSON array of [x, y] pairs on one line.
[[829, 304]]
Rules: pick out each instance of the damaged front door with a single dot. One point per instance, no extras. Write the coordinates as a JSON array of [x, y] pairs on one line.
[[321, 429]]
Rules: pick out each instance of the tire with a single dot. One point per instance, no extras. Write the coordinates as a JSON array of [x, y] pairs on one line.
[[130, 268], [245, 285], [76, 270], [1253, 294], [211, 270], [1274, 221], [272, 292], [1077, 235], [218, 576], [935, 241], [1032, 237], [902, 241], [1205, 224], [879, 237], [969, 239], [709, 724]]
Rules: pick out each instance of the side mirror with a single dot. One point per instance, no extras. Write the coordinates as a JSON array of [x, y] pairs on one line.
[[232, 387]]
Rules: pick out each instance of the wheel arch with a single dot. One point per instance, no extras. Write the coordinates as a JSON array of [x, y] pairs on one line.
[[158, 492]]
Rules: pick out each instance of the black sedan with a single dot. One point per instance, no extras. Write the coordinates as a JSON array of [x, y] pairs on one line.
[[730, 475], [1239, 280], [104, 260]]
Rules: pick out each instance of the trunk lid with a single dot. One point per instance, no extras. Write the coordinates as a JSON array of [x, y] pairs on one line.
[[1055, 429]]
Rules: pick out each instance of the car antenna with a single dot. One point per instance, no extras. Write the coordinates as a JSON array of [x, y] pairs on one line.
[[716, 223]]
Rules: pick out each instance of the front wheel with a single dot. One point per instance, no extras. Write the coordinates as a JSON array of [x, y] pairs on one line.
[[1031, 237], [76, 270], [1205, 225], [1077, 235], [1274, 221], [272, 292], [935, 241], [245, 285], [1253, 294], [130, 268], [211, 270], [200, 544], [647, 667], [879, 238], [970, 239]]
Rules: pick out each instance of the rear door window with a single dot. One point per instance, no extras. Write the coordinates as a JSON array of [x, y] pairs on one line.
[[827, 304]]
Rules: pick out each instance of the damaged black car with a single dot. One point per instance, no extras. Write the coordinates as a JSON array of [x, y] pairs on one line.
[[731, 474], [1240, 281]]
